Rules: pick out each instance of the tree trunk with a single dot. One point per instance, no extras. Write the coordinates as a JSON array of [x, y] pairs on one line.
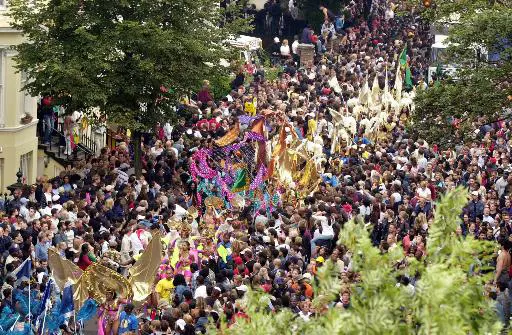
[[137, 152]]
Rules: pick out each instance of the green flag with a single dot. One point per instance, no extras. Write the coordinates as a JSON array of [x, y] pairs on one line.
[[242, 181], [408, 78], [439, 73], [403, 57]]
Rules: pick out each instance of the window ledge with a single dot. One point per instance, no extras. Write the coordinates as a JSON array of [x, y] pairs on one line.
[[20, 127]]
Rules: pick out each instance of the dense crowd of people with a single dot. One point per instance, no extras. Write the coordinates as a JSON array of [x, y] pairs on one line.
[[98, 210]]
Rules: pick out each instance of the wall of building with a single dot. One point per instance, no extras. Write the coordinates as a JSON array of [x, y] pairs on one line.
[[47, 165], [14, 143], [18, 142]]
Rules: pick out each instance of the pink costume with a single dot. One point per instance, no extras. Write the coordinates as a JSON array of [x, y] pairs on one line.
[[107, 315]]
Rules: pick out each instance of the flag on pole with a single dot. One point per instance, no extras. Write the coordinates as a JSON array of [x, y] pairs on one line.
[[23, 272], [403, 57], [408, 78], [398, 84], [43, 308], [364, 93], [439, 73], [242, 182], [375, 93], [67, 306]]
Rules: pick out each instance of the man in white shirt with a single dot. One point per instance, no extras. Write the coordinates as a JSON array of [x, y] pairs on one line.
[[136, 243], [56, 205], [261, 217], [47, 210], [122, 177], [23, 208], [501, 184], [295, 45], [70, 235], [201, 288], [488, 218], [32, 215], [323, 232]]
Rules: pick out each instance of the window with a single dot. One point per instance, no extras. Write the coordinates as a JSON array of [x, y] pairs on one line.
[[26, 167], [2, 81], [25, 98]]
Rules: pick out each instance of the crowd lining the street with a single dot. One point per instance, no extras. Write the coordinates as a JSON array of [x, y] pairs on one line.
[[98, 211]]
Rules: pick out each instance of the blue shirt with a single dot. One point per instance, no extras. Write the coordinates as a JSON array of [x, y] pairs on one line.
[[41, 250], [127, 323]]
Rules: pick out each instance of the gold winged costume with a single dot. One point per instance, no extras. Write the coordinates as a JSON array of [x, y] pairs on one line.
[[97, 279]]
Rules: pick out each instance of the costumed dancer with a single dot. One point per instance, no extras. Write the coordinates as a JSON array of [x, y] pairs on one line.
[[108, 313], [183, 254]]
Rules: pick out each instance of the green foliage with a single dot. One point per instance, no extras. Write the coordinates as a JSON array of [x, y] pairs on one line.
[[272, 72], [220, 85], [475, 99], [447, 300], [478, 92], [117, 55]]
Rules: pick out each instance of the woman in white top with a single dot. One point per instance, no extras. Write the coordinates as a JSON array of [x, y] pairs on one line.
[[285, 49], [48, 192], [424, 192], [157, 149]]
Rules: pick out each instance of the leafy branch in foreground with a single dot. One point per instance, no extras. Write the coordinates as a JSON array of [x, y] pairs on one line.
[[446, 298]]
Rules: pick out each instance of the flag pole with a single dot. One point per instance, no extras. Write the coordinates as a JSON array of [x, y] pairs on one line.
[[44, 319], [74, 321], [14, 325], [29, 300]]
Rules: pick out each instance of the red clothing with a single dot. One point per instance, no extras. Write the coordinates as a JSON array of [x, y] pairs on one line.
[[84, 262], [239, 315], [160, 133], [406, 242], [433, 192], [204, 96]]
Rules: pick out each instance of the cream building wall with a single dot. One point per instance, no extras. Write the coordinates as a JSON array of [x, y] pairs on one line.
[[47, 166], [18, 142]]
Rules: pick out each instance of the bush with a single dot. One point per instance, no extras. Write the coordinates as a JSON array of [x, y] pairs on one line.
[[446, 300]]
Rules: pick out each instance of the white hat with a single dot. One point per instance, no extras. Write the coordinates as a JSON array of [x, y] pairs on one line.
[[276, 39], [242, 288], [181, 324]]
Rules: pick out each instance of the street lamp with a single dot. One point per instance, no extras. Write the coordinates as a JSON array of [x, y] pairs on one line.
[[18, 184]]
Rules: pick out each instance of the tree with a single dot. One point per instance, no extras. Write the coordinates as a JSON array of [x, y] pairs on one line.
[[131, 58], [479, 91], [447, 299]]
